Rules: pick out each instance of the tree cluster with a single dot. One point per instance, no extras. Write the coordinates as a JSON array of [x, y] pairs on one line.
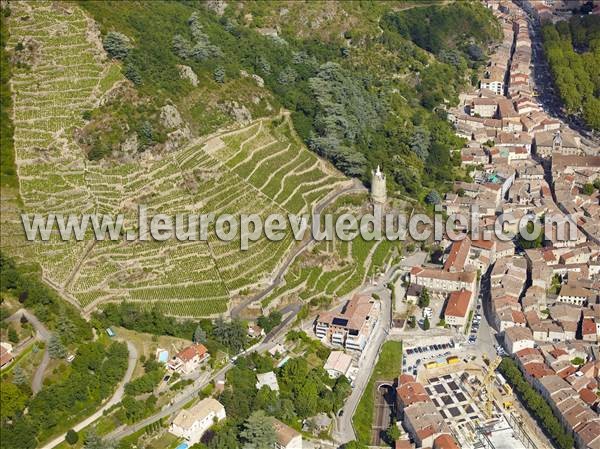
[[573, 53], [220, 335], [536, 404], [268, 323], [304, 392], [91, 378], [351, 112], [24, 283]]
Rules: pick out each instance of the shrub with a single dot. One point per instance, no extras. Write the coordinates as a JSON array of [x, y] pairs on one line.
[[116, 44]]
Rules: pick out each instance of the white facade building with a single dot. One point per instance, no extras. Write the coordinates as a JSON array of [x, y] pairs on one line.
[[191, 423]]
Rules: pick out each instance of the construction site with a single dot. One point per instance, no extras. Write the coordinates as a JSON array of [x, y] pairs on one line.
[[477, 404]]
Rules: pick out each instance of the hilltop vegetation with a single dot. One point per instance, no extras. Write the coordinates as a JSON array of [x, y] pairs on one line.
[[362, 86], [573, 52]]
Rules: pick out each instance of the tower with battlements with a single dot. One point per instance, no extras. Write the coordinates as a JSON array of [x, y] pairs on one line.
[[378, 187]]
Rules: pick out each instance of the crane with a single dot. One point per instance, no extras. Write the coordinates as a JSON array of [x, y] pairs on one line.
[[488, 384]]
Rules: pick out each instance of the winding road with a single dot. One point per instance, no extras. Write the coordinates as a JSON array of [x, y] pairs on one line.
[[269, 341], [236, 311], [43, 334], [116, 398]]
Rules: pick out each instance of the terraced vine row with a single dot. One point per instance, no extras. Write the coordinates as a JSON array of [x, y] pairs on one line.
[[262, 168], [332, 269]]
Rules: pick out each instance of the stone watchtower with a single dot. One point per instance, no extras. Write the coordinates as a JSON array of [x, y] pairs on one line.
[[557, 142], [378, 187]]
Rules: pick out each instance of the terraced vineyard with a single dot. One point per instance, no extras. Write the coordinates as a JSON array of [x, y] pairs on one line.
[[333, 268], [262, 168]]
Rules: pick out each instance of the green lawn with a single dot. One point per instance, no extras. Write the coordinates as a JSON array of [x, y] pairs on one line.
[[389, 366]]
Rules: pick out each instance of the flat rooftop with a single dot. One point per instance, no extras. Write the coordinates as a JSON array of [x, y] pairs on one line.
[[502, 437]]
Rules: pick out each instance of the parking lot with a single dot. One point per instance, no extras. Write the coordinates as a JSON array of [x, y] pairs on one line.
[[415, 357]]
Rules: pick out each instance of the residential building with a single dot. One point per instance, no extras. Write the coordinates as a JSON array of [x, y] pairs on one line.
[[189, 359], [268, 380], [549, 142], [424, 423], [517, 338], [287, 438], [6, 355], [409, 392], [338, 364], [443, 281], [457, 308], [190, 424], [484, 107], [573, 294], [493, 80], [459, 251], [413, 293], [445, 441], [352, 327]]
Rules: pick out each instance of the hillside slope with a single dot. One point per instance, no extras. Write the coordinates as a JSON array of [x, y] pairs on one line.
[[366, 82], [259, 168]]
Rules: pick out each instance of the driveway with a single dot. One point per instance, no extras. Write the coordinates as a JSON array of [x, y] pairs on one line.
[[43, 334], [115, 399]]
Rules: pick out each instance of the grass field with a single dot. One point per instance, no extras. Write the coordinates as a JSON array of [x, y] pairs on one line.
[[388, 367]]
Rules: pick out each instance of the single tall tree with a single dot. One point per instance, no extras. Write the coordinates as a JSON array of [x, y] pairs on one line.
[[56, 348], [199, 335], [19, 377], [258, 432]]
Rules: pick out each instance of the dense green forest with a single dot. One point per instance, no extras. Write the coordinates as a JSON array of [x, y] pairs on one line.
[[573, 52], [218, 335], [372, 93], [24, 283]]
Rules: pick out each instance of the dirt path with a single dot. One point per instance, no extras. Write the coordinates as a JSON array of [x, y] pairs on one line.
[[43, 334]]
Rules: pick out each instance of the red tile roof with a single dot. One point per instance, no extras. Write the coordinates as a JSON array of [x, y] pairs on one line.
[[458, 303], [191, 351], [485, 244], [588, 326], [5, 356], [411, 392], [458, 255], [445, 441], [518, 317], [538, 370], [526, 351], [588, 396]]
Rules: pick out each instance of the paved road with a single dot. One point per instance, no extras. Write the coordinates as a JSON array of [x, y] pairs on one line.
[[43, 334], [344, 431], [116, 398], [275, 336], [238, 309], [548, 96]]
